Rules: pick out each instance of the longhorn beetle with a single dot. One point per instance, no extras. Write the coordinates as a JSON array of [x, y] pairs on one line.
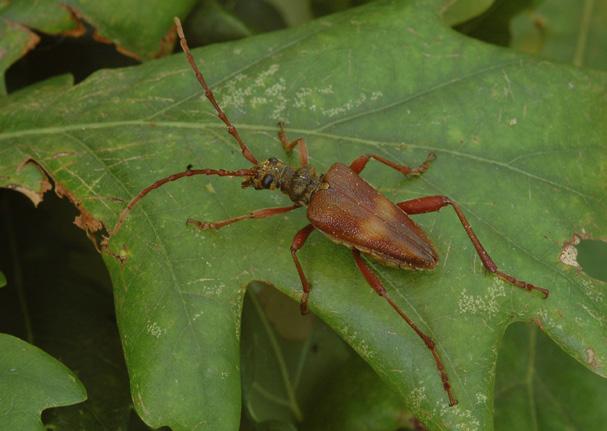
[[342, 206]]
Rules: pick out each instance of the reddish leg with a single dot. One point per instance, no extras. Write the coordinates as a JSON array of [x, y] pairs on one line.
[[359, 164], [263, 213], [435, 203], [288, 146], [298, 241], [381, 291]]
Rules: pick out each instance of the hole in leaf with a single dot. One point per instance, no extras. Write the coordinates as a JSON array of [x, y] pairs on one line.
[[592, 257], [57, 55]]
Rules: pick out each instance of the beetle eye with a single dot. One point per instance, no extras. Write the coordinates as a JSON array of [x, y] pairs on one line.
[[267, 181]]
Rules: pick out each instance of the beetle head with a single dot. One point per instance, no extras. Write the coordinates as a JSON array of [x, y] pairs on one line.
[[267, 175]]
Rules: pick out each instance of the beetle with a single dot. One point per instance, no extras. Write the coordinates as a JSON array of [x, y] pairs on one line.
[[342, 206]]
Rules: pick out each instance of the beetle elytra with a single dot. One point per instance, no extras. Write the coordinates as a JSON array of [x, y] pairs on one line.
[[345, 208]]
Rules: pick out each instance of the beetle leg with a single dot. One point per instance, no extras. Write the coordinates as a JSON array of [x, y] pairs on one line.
[[381, 291], [435, 203], [263, 213], [288, 146], [298, 241], [359, 164]]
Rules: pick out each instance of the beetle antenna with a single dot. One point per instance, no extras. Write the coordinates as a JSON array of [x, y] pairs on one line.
[[189, 172], [207, 92]]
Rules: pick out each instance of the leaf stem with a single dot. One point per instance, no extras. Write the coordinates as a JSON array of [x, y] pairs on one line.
[[582, 40]]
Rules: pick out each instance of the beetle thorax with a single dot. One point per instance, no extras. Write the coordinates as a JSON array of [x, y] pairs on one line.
[[272, 174]]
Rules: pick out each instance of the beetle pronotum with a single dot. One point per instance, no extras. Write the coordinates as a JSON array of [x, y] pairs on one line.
[[342, 206]]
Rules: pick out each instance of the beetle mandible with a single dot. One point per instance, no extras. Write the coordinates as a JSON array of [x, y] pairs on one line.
[[342, 206]]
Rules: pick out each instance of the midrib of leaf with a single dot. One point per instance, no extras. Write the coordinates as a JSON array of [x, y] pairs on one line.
[[17, 274], [301, 132], [282, 366], [582, 40], [305, 349], [269, 129]]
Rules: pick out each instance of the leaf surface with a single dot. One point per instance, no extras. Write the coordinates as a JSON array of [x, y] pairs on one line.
[[517, 142], [15, 41], [31, 381], [48, 16], [457, 11], [539, 387], [143, 30]]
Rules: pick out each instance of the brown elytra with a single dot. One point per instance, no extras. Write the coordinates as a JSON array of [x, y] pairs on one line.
[[352, 213], [342, 206]]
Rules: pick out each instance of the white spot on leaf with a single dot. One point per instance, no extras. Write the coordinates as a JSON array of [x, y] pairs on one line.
[[486, 305], [154, 329]]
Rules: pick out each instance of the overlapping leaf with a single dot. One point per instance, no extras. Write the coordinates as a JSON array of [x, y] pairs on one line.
[[517, 143], [567, 31], [30, 381], [140, 30]]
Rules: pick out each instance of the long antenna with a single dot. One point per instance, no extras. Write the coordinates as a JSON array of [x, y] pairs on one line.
[[207, 92], [159, 183]]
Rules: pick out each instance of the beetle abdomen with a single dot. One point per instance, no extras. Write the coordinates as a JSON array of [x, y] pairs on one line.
[[353, 213]]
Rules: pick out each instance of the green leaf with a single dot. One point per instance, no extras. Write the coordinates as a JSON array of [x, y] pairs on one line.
[[18, 17], [142, 32], [48, 16], [294, 13], [566, 30], [210, 22], [457, 11], [493, 25], [31, 381], [355, 399], [539, 387], [517, 142], [2, 279], [15, 41]]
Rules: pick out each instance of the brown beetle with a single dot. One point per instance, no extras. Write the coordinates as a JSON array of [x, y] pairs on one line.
[[342, 206]]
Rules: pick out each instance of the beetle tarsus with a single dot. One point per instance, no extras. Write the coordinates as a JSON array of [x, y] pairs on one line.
[[361, 162], [303, 304]]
